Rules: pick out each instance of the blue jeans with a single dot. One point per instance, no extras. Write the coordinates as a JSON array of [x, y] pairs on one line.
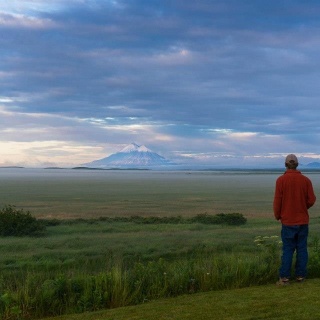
[[294, 238]]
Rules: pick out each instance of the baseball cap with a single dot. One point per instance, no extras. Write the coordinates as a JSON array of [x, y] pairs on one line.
[[291, 158]]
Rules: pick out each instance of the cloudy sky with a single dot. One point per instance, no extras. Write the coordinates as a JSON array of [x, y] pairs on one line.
[[198, 81]]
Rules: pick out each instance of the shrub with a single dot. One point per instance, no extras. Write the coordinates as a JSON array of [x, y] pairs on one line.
[[17, 222], [234, 219], [156, 220], [204, 218], [221, 218]]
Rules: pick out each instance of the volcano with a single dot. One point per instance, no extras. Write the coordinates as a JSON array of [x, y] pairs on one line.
[[132, 156]]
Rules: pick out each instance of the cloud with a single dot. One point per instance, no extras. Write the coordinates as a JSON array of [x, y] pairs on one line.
[[183, 77], [20, 21]]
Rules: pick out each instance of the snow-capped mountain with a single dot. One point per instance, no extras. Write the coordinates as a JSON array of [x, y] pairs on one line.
[[132, 156], [134, 147]]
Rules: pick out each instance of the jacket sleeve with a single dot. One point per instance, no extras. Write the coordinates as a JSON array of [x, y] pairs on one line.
[[311, 199], [277, 201]]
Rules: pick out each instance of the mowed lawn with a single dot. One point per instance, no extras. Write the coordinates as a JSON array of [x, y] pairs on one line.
[[293, 302]]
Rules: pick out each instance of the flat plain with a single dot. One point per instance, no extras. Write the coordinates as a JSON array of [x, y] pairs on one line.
[[67, 193]]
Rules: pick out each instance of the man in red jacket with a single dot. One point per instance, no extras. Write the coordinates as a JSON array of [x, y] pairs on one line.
[[293, 197]]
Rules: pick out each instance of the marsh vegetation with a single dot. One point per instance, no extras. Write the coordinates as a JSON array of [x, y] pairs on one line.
[[108, 244]]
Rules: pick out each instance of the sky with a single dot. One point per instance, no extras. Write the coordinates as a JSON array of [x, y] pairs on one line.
[[207, 82]]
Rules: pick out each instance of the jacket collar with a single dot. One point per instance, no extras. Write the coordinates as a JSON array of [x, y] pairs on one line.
[[292, 171]]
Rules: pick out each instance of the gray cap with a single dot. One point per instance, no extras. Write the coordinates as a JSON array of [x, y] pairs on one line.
[[291, 158]]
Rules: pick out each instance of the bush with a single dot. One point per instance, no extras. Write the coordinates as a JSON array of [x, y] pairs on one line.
[[156, 220], [234, 219], [19, 223], [205, 219]]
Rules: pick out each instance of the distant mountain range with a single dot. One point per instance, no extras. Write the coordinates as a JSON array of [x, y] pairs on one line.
[[132, 156], [313, 165]]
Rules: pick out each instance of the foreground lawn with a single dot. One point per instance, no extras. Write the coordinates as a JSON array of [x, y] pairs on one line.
[[297, 301]]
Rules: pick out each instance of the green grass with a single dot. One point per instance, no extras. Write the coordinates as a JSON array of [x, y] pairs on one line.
[[80, 267], [98, 241], [294, 302], [86, 256]]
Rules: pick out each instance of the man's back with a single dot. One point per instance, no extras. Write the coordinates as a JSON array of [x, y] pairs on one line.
[[293, 197]]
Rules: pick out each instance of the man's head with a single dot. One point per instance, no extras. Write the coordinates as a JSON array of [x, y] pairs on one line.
[[291, 161]]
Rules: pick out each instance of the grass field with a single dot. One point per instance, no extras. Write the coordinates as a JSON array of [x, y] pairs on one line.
[[85, 260], [87, 193]]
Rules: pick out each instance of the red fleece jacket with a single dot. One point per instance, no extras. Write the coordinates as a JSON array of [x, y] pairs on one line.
[[293, 197]]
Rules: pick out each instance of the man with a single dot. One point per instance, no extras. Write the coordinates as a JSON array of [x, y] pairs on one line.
[[293, 197]]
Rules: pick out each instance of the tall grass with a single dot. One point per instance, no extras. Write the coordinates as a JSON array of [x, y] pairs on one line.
[[76, 280], [43, 294], [30, 294], [48, 287]]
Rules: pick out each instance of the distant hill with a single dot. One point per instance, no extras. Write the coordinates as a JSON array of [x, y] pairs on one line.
[[313, 165], [132, 156], [11, 167]]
